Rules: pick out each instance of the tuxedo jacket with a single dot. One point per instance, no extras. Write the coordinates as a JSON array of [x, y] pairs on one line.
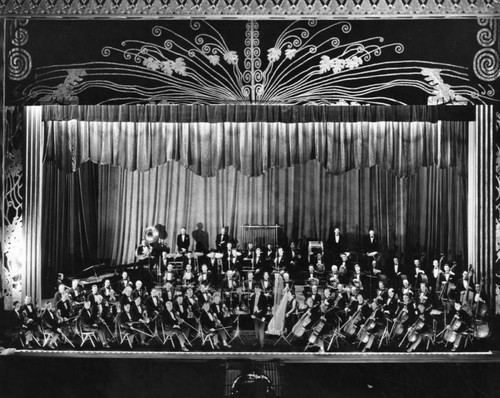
[[17, 320], [183, 313], [221, 242], [151, 307], [64, 308], [261, 305], [370, 246], [206, 322], [338, 247], [87, 318], [50, 319], [202, 299], [30, 311], [193, 303], [391, 306], [169, 319], [225, 284], [183, 244]]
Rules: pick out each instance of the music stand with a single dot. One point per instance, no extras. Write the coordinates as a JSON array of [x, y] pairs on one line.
[[282, 337], [236, 333]]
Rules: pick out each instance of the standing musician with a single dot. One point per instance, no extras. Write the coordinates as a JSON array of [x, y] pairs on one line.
[[183, 241], [171, 324], [258, 306], [229, 286], [371, 243], [395, 272], [270, 253], [221, 240], [338, 244], [291, 314], [436, 276], [89, 322], [123, 283], [295, 259], [234, 262], [211, 324], [417, 274]]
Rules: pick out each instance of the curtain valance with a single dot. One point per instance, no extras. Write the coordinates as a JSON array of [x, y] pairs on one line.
[[255, 147], [256, 113]]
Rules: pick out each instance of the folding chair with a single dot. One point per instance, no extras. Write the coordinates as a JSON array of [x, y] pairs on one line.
[[207, 335], [123, 335], [167, 336], [85, 335]]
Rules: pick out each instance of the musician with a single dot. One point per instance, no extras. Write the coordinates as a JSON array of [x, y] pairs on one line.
[[291, 314], [260, 264], [344, 261], [460, 323], [203, 295], [91, 296], [425, 296], [418, 273], [312, 276], [266, 286], [395, 272], [358, 278], [314, 295], [390, 304], [191, 301], [123, 283], [51, 323], [168, 292], [447, 282], [381, 292], [421, 328], [65, 312], [406, 289], [188, 278], [183, 241], [234, 262], [139, 291], [89, 322], [338, 244], [229, 286], [258, 308], [465, 282], [281, 263], [343, 275], [406, 307], [136, 308], [60, 290], [126, 297], [153, 304], [249, 283], [171, 324], [373, 327], [295, 259], [249, 253], [30, 311], [185, 316], [61, 280], [316, 327], [333, 277], [107, 292], [205, 275], [435, 277], [288, 283], [131, 324], [211, 324], [19, 327], [221, 240], [221, 311], [371, 243], [104, 312], [270, 253], [170, 275]]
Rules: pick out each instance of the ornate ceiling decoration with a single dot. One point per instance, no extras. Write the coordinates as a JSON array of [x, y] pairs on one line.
[[328, 9]]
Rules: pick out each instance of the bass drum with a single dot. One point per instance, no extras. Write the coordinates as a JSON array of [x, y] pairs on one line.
[[252, 385]]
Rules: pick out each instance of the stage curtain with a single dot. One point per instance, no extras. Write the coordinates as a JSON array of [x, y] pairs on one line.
[[255, 147]]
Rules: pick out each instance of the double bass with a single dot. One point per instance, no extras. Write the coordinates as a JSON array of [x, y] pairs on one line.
[[481, 324]]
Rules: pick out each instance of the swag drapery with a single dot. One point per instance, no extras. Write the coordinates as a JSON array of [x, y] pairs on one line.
[[400, 170]]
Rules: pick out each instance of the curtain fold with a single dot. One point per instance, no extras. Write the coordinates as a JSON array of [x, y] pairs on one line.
[[255, 147]]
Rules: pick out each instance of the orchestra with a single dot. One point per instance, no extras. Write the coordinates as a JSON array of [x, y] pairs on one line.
[[356, 299]]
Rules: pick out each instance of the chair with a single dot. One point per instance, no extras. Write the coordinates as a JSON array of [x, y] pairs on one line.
[[123, 335], [206, 335], [85, 335], [315, 247]]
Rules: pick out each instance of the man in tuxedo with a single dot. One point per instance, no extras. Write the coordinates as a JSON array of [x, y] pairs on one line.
[[171, 324], [183, 241], [258, 309], [281, 263], [371, 243], [89, 323], [221, 240], [337, 244], [394, 272]]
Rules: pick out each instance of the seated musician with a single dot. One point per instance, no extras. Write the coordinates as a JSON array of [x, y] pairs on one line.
[[373, 327], [123, 283], [344, 260], [425, 296], [480, 299], [92, 295], [126, 296], [214, 263], [291, 314], [89, 322], [211, 324], [60, 290], [19, 326], [381, 292], [51, 323], [168, 292], [188, 277], [337, 302], [139, 291], [405, 314], [105, 313], [171, 324], [390, 305], [153, 304], [229, 286], [65, 312], [260, 264], [343, 275], [465, 283], [221, 310], [31, 318], [333, 276], [249, 283], [270, 253], [318, 325], [131, 324], [234, 263], [170, 275], [205, 275], [314, 295], [227, 257], [287, 282], [185, 317], [249, 253], [191, 302], [460, 323], [107, 292], [421, 328], [76, 293], [136, 308], [358, 277], [406, 289], [267, 286], [312, 276], [358, 310], [281, 263], [189, 260], [203, 295]]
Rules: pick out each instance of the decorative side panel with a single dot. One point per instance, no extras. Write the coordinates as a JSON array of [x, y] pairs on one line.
[[487, 61], [496, 141]]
